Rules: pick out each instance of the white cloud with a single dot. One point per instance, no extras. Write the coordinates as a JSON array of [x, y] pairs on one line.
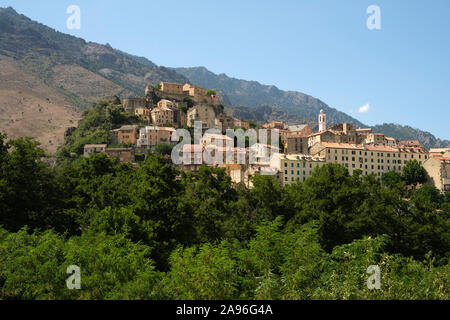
[[365, 108]]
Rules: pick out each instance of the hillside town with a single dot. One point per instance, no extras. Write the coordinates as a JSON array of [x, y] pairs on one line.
[[169, 106]]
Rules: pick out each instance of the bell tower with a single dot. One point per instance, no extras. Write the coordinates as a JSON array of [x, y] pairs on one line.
[[322, 121]]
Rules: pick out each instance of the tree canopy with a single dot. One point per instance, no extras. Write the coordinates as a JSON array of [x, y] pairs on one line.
[[155, 232]]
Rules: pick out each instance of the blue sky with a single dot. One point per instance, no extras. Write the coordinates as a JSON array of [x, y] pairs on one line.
[[322, 47]]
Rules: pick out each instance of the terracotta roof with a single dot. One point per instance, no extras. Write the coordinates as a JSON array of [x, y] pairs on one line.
[[319, 133], [297, 135], [382, 148], [443, 159], [409, 143]]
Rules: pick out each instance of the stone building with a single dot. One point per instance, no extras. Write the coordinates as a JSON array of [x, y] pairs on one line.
[[204, 113], [171, 88], [438, 171], [192, 156], [150, 136], [122, 154], [198, 94], [164, 103], [93, 148], [130, 104], [370, 159], [295, 167], [220, 140], [302, 129], [144, 113], [223, 122], [238, 123], [125, 134], [376, 138], [297, 143], [162, 116]]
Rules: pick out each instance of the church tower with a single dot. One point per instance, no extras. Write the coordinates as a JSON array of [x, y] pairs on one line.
[[322, 121]]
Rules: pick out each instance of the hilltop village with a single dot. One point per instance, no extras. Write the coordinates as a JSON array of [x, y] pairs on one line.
[[168, 106]]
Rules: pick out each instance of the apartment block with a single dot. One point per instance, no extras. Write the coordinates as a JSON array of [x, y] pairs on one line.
[[295, 167], [93, 148], [370, 159], [150, 136]]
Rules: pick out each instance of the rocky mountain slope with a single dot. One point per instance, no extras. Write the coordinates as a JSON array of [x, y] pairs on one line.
[[253, 94], [48, 77], [46, 65], [409, 133], [268, 102]]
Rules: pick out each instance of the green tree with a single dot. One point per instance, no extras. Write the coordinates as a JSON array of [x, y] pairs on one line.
[[414, 173], [164, 149], [29, 191], [392, 179]]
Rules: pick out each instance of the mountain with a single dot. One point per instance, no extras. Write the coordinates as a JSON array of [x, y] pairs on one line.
[[47, 78], [409, 133], [270, 103], [40, 64], [266, 114], [253, 94]]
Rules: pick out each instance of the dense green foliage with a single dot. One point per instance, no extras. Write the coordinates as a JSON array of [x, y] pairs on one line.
[[95, 127], [158, 233]]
